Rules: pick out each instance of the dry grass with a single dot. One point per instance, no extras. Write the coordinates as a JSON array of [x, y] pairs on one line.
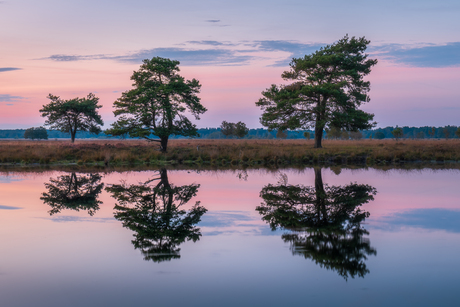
[[228, 152]]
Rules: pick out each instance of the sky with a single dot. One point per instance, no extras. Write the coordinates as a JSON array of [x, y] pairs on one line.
[[236, 49]]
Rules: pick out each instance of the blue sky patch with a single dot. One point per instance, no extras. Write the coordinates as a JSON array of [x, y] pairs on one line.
[[434, 56]]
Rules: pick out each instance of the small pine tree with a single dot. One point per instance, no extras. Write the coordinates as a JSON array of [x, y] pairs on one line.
[[397, 133]]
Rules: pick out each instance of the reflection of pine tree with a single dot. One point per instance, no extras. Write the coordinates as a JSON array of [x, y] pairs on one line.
[[75, 192], [153, 213], [325, 222]]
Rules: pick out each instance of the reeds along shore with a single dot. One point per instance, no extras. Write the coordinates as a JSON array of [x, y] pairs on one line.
[[228, 152]]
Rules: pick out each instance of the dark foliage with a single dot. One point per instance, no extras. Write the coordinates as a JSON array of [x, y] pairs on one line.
[[70, 116], [74, 192], [33, 133], [154, 213], [157, 103], [325, 222], [328, 87]]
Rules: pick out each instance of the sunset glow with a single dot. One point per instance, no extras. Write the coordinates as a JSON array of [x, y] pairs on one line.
[[235, 51]]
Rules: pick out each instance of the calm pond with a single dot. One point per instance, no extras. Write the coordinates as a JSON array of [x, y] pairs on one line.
[[320, 237]]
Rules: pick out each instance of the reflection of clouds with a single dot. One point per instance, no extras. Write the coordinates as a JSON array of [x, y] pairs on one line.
[[234, 222], [218, 233], [225, 218], [9, 208], [9, 179], [3, 69], [435, 219], [68, 218]]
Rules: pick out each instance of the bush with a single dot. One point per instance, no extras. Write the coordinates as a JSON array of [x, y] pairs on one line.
[[36, 133], [379, 135]]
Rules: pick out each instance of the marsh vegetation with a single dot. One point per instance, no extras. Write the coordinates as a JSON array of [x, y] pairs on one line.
[[228, 152]]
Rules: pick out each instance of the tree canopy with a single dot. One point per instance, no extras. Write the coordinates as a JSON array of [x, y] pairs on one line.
[[75, 192], [157, 103], [397, 133], [324, 222], [77, 114], [155, 214], [36, 133], [327, 89], [231, 129]]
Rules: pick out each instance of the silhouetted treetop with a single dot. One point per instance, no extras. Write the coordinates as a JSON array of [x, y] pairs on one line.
[[325, 222], [154, 213], [74, 192]]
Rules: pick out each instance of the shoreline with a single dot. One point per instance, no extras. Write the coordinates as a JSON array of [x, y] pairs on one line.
[[230, 152]]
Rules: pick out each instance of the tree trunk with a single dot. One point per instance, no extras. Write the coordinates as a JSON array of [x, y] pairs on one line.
[[320, 198], [318, 136], [72, 135], [164, 143]]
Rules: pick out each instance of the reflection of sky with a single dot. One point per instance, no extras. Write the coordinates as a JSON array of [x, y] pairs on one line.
[[224, 218], [237, 222], [436, 219], [9, 208], [9, 179], [238, 261]]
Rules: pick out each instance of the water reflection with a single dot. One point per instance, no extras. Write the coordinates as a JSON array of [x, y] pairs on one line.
[[153, 212], [325, 222], [74, 192]]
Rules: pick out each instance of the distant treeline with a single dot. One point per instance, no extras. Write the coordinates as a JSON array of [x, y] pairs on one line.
[[426, 132], [215, 133]]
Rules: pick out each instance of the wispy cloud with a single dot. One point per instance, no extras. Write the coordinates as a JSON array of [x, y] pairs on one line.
[[191, 57], [68, 218], [213, 20], [212, 53], [421, 56], [10, 98], [187, 57], [288, 46], [222, 53], [3, 69], [72, 58], [296, 49], [211, 43]]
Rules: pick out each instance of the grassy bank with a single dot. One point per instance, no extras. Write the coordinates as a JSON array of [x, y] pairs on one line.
[[228, 152]]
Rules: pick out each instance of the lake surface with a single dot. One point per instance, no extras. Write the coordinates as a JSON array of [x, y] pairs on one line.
[[316, 237]]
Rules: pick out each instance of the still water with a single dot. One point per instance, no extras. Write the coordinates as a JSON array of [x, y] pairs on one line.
[[317, 237]]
